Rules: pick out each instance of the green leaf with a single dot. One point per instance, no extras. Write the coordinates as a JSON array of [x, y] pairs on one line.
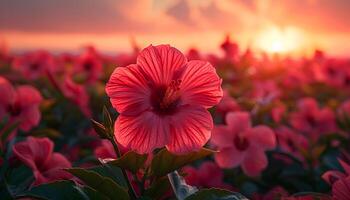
[[93, 194], [19, 179], [100, 129], [113, 172], [158, 188], [104, 185], [8, 130], [107, 121], [131, 161], [165, 162], [55, 191], [216, 194]]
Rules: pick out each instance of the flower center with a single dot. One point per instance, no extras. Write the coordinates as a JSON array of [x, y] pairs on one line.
[[88, 65], [241, 143], [311, 120], [14, 109], [166, 98], [34, 66]]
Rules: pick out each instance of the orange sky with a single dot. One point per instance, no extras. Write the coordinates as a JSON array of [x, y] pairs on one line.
[[284, 25]]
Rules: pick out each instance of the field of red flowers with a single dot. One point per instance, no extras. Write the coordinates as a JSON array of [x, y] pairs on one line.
[[163, 124]]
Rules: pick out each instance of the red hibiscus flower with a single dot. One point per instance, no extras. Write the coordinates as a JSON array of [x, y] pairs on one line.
[[341, 189], [208, 175], [77, 94], [227, 104], [290, 141], [162, 101], [34, 65], [89, 66], [20, 104], [37, 153], [312, 120], [241, 144]]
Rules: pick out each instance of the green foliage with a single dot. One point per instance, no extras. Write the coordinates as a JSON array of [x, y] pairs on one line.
[[165, 162], [131, 161], [104, 185], [55, 191]]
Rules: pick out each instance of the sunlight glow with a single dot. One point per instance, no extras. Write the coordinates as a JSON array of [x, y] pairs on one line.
[[283, 41]]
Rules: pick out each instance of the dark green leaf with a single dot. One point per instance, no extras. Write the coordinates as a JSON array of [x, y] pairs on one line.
[[19, 179], [165, 162], [107, 121], [93, 194], [131, 161], [100, 129], [8, 130], [215, 194], [158, 188], [104, 185], [112, 172], [55, 191]]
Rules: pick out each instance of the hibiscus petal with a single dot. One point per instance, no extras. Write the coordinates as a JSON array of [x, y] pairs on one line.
[[332, 176], [263, 137], [200, 84], [142, 133], [341, 189], [222, 136], [229, 157], [238, 121], [54, 168], [254, 162], [30, 118], [160, 63], [7, 92], [128, 90], [33, 152], [28, 96], [42, 149], [39, 178], [190, 129], [24, 153]]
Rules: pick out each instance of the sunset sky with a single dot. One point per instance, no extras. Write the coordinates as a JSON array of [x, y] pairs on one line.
[[284, 25]]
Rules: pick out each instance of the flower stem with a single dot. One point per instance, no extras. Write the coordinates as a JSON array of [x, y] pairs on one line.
[[131, 190]]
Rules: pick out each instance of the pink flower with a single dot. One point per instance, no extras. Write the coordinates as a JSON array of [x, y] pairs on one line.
[[89, 66], [77, 94], [193, 54], [340, 181], [240, 144], [34, 65], [290, 141], [37, 154], [162, 101], [277, 112], [277, 192], [20, 104], [341, 189], [227, 104], [105, 150], [333, 176], [230, 49], [208, 175], [265, 91], [312, 120]]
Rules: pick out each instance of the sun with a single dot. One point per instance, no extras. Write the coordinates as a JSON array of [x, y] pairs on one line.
[[277, 40]]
